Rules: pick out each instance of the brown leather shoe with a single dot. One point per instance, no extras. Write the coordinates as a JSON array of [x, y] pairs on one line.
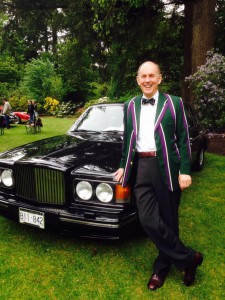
[[190, 271], [155, 282]]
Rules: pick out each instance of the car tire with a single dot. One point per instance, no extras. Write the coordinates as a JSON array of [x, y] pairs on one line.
[[18, 120], [200, 160]]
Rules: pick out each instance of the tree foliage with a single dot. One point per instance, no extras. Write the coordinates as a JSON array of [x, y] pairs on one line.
[[135, 31], [39, 78], [9, 76], [95, 43]]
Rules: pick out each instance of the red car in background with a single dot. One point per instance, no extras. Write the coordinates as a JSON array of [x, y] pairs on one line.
[[17, 117], [21, 117]]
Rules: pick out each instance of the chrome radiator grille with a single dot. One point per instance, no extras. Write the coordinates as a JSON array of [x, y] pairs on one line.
[[40, 185]]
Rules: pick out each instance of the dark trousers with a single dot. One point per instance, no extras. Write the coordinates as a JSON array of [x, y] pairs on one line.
[[158, 214], [7, 121], [32, 118]]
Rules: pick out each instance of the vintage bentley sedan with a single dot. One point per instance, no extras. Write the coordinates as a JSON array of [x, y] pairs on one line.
[[67, 182]]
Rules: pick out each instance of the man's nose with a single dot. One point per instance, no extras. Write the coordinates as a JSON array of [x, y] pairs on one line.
[[148, 78]]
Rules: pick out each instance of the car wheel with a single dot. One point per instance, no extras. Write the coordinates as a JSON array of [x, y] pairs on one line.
[[18, 120], [200, 160]]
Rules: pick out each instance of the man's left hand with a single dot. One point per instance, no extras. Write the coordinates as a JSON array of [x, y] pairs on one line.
[[184, 181]]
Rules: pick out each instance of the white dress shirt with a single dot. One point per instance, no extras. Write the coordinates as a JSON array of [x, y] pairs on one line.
[[146, 139]]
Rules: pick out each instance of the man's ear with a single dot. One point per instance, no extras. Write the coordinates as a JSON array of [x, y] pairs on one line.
[[138, 82], [160, 79]]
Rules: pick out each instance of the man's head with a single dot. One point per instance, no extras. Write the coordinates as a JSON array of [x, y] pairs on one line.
[[148, 78]]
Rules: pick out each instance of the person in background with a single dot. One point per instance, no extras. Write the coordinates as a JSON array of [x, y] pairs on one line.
[[156, 160], [35, 108], [30, 111], [6, 112]]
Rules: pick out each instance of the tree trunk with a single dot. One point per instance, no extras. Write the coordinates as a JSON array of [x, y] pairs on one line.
[[199, 38]]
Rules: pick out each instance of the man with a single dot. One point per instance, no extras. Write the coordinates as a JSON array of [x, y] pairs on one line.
[[156, 161], [6, 112]]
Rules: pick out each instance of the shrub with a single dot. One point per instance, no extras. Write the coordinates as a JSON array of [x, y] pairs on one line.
[[96, 101], [40, 80], [81, 108], [18, 103], [51, 105], [208, 85], [66, 109]]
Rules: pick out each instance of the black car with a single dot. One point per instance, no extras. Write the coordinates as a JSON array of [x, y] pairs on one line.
[[67, 181]]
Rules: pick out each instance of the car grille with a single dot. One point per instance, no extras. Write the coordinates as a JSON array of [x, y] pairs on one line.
[[40, 185]]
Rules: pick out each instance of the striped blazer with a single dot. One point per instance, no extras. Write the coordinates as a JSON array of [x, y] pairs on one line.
[[171, 137]]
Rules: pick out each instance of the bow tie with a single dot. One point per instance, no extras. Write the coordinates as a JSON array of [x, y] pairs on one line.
[[146, 101]]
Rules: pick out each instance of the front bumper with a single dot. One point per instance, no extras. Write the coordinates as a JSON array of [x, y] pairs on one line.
[[81, 221]]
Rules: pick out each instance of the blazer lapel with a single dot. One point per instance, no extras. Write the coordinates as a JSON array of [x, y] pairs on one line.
[[161, 109], [137, 111]]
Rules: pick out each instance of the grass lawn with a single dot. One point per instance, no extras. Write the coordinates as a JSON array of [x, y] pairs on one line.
[[17, 135], [36, 264]]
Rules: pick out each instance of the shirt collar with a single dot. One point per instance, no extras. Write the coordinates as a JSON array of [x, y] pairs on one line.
[[155, 96]]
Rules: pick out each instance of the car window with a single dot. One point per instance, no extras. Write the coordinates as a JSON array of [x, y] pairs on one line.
[[102, 118]]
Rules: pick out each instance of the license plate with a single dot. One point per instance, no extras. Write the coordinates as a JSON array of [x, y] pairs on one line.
[[31, 217]]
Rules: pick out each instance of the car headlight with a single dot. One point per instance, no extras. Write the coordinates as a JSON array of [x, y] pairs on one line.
[[84, 190], [7, 178], [104, 192]]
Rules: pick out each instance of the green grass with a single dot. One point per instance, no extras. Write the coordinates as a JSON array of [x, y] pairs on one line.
[[36, 264], [17, 135]]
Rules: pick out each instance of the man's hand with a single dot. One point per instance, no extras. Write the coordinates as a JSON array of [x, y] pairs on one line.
[[184, 181], [118, 175]]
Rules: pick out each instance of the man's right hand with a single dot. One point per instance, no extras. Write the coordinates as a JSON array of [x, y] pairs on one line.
[[118, 175]]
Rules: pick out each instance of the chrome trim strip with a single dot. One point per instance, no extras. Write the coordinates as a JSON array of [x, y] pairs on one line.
[[64, 219]]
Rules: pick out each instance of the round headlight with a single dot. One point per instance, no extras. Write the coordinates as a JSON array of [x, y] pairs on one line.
[[84, 190], [7, 178], [104, 192]]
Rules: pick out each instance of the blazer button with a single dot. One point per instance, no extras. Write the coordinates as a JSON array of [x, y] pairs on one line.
[[131, 163]]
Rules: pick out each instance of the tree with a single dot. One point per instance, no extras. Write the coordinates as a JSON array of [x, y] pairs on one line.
[[199, 38], [74, 65], [32, 27], [40, 80], [9, 76], [115, 37]]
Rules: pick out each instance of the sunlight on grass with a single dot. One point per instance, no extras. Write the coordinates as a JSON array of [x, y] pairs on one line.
[[17, 134], [37, 264]]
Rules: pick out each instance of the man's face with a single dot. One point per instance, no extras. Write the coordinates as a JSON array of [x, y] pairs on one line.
[[149, 78]]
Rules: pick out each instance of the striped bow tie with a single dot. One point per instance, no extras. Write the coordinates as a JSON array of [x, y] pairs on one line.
[[146, 101]]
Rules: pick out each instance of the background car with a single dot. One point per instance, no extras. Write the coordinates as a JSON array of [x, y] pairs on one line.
[[21, 117], [17, 117], [12, 117], [67, 181]]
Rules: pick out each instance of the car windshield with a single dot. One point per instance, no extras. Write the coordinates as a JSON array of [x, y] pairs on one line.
[[101, 118]]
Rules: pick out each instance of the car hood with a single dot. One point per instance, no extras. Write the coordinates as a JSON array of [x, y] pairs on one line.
[[67, 151]]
